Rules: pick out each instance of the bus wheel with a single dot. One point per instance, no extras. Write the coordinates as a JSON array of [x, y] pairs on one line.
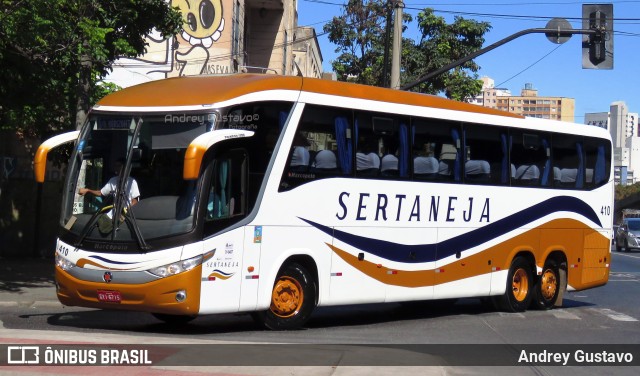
[[293, 298], [519, 283], [547, 287], [173, 319]]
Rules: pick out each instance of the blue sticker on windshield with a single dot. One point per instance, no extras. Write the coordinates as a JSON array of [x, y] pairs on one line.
[[80, 145]]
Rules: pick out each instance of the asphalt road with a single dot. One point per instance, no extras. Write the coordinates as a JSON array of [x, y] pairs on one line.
[[606, 315]]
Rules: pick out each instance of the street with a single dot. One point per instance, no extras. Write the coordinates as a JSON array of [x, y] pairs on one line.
[[604, 315]]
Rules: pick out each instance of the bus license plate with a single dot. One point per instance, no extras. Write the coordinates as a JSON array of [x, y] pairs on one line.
[[109, 296]]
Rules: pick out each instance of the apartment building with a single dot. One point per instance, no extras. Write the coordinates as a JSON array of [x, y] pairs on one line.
[[528, 103], [623, 126]]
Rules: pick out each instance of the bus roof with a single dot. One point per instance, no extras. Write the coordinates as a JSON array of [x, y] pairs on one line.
[[204, 90]]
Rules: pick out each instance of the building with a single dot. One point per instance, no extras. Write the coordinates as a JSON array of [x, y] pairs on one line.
[[488, 96], [528, 103], [306, 52], [623, 126], [226, 37]]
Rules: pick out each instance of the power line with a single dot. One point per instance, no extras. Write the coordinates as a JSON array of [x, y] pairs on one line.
[[529, 67]]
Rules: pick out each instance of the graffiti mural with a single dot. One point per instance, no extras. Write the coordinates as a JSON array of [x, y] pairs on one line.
[[202, 47]]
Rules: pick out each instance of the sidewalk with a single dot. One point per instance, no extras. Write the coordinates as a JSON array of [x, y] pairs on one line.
[[27, 281]]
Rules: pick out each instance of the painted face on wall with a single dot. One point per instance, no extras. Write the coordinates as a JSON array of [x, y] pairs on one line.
[[203, 20]]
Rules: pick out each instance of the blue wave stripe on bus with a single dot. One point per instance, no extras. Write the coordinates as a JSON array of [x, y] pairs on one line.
[[223, 273], [431, 252], [111, 261]]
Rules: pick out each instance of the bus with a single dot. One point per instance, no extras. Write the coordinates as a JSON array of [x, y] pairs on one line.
[[274, 195]]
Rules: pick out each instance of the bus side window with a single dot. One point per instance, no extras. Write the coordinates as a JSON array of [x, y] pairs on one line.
[[530, 159], [435, 146], [568, 161], [321, 147], [485, 159], [597, 169]]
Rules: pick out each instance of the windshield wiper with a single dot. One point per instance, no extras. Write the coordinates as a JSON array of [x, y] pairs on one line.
[[122, 196]]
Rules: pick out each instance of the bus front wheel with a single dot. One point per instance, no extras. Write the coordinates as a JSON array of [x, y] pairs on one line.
[[293, 299], [547, 287], [517, 297]]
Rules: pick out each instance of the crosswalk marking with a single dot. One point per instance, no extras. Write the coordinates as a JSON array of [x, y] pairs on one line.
[[564, 314], [613, 314], [512, 314], [570, 314]]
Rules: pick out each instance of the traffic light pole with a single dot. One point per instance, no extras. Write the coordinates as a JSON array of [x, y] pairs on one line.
[[559, 33]]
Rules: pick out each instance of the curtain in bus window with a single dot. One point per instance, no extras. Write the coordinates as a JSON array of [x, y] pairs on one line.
[[580, 176], [547, 164], [504, 179], [455, 135], [403, 159], [343, 143], [599, 173], [224, 169]]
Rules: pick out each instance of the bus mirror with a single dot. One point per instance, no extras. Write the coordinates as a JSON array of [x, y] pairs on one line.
[[40, 160]]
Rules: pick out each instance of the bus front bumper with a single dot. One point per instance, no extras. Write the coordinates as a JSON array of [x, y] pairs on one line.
[[175, 295]]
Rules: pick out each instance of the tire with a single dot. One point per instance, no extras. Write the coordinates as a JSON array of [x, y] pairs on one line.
[[293, 299], [173, 319], [517, 296], [547, 287]]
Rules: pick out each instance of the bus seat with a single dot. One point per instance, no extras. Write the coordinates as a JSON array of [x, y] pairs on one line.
[[568, 177], [528, 174], [477, 170], [389, 165], [367, 164], [557, 176], [325, 162], [156, 208], [300, 159]]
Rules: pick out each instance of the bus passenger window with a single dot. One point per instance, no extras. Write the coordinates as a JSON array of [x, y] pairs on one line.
[[435, 145], [597, 152], [486, 159], [568, 158], [321, 147], [530, 157]]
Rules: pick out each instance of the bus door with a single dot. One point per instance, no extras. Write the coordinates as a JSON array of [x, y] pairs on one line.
[[225, 197]]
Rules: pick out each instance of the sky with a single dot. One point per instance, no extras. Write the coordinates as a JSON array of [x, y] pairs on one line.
[[554, 70]]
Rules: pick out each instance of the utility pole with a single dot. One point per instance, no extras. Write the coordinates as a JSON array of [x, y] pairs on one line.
[[387, 37], [397, 46]]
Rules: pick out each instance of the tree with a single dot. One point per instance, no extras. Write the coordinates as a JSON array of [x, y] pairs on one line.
[[359, 36], [53, 54]]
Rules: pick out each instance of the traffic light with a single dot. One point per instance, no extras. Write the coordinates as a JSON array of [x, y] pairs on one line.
[[597, 48]]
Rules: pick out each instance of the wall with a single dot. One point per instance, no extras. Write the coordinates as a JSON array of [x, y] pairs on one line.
[[24, 233]]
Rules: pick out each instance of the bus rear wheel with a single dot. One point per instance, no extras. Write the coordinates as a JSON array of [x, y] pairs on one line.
[[293, 299], [517, 297], [547, 287]]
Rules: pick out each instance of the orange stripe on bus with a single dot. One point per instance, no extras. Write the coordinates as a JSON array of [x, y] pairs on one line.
[[565, 235]]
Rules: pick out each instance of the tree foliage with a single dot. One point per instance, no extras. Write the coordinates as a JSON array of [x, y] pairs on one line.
[[359, 36], [54, 53]]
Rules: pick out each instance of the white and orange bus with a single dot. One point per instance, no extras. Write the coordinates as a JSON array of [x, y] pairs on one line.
[[274, 195]]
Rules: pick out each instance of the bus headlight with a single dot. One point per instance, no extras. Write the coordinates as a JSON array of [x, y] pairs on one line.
[[63, 263], [176, 267]]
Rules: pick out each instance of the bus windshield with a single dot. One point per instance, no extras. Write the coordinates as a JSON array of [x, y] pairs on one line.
[[160, 201]]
